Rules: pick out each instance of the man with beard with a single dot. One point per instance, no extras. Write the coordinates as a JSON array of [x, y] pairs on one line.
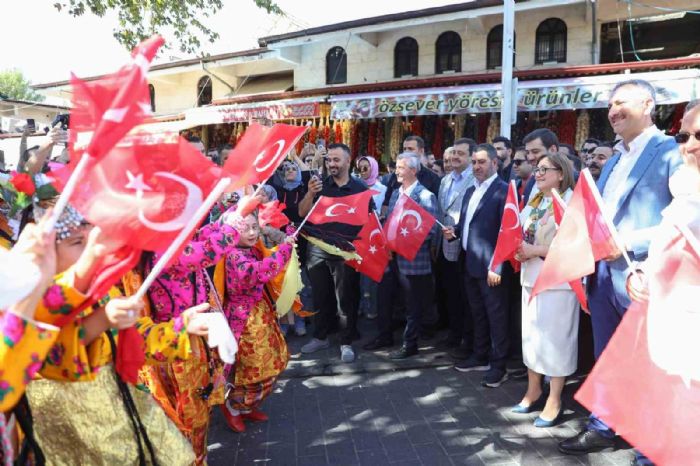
[[600, 155]]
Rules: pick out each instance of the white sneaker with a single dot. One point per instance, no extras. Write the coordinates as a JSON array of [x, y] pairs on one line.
[[346, 353], [315, 345]]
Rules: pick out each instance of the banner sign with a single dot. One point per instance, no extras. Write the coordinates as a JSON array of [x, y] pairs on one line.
[[566, 94], [274, 110]]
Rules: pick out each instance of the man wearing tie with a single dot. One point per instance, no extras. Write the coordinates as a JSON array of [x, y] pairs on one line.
[[487, 296], [635, 188], [452, 190]]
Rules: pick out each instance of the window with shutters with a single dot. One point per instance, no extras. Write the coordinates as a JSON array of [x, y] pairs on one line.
[[550, 41], [406, 57], [448, 52], [336, 66]]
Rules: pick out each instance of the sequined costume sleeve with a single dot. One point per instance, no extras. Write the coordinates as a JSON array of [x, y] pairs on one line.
[[211, 243], [251, 272]]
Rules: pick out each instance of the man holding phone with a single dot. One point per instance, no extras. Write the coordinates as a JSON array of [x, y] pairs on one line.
[[329, 275]]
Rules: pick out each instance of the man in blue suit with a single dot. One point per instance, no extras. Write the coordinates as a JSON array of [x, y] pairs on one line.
[[477, 231], [412, 278], [635, 188]]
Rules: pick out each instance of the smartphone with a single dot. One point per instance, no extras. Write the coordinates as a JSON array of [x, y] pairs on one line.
[[31, 125], [321, 143]]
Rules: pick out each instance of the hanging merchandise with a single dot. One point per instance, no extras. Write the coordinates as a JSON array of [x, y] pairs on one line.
[[494, 128], [397, 132], [418, 126], [438, 137], [567, 126], [372, 138], [313, 133], [340, 132], [388, 128], [428, 131], [460, 124], [582, 128], [482, 127], [331, 132], [326, 129], [354, 138], [675, 125], [379, 141]]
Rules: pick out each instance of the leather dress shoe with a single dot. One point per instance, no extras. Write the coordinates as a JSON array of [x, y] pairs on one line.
[[403, 352], [378, 343], [587, 441]]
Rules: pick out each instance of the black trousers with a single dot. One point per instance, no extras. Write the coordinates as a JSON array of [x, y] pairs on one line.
[[334, 286], [418, 291], [490, 311], [515, 319], [450, 288]]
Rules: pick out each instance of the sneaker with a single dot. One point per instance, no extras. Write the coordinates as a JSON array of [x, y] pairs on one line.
[[346, 353], [472, 363], [315, 345], [494, 377], [300, 327]]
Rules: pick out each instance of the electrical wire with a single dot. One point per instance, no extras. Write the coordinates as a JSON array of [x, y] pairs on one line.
[[629, 24], [664, 8]]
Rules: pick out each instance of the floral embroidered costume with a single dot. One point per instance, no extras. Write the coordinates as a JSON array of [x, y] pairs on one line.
[[186, 390], [262, 350]]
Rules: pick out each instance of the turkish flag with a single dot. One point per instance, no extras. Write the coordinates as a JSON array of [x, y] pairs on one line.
[[559, 206], [510, 235], [351, 210], [582, 239], [261, 150], [646, 384], [407, 227], [371, 245], [272, 214], [145, 190], [106, 109]]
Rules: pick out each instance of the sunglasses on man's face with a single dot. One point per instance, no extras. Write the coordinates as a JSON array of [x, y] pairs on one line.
[[518, 162], [683, 137]]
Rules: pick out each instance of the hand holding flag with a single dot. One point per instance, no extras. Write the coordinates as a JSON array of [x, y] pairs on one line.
[[407, 227], [510, 235], [371, 246]]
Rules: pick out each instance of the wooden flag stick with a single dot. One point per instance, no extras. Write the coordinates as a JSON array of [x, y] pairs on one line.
[[182, 236]]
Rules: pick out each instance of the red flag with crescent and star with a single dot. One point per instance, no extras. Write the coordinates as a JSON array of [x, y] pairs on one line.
[[510, 235], [583, 238], [261, 150], [371, 246], [559, 207], [351, 210], [407, 227], [106, 109], [646, 384]]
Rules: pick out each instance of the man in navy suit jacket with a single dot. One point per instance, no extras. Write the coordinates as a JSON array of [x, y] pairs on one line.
[[477, 231], [635, 188]]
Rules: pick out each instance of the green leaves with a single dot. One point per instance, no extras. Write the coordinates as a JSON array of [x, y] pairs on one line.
[[14, 85], [139, 19]]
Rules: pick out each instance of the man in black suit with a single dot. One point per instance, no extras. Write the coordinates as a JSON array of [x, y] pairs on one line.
[[487, 295]]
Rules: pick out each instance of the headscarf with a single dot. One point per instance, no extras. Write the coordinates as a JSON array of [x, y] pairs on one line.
[[373, 170], [291, 185], [271, 192]]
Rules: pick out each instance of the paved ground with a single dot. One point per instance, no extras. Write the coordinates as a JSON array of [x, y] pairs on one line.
[[376, 411]]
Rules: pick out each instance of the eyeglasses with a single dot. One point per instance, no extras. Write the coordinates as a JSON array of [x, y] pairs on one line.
[[290, 168], [589, 150], [364, 169], [543, 170], [682, 138]]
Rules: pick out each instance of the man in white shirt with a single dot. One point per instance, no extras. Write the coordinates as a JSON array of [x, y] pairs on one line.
[[635, 189]]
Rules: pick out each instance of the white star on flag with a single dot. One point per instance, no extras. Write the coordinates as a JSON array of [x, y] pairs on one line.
[[372, 249], [351, 210], [137, 183], [404, 232]]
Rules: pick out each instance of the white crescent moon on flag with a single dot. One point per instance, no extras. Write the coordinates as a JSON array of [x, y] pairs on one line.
[[374, 232], [194, 200], [329, 211], [414, 214], [517, 216], [273, 161]]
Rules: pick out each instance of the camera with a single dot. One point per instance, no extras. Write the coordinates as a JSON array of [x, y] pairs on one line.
[[64, 119]]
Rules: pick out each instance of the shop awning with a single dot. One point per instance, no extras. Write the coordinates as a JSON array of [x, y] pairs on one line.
[[673, 86], [273, 110]]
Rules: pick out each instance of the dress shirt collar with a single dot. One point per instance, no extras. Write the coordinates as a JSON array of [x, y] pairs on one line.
[[637, 144], [487, 182], [408, 190]]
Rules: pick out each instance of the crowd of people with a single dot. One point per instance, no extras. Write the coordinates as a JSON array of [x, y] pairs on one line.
[[59, 376]]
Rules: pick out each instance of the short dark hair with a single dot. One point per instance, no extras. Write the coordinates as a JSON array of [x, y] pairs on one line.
[[559, 161], [506, 142], [419, 140], [575, 160], [391, 164], [545, 135], [468, 141], [571, 148], [489, 149], [591, 141], [341, 146], [519, 148], [608, 144]]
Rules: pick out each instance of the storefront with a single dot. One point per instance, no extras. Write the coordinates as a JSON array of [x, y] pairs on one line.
[[574, 108]]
